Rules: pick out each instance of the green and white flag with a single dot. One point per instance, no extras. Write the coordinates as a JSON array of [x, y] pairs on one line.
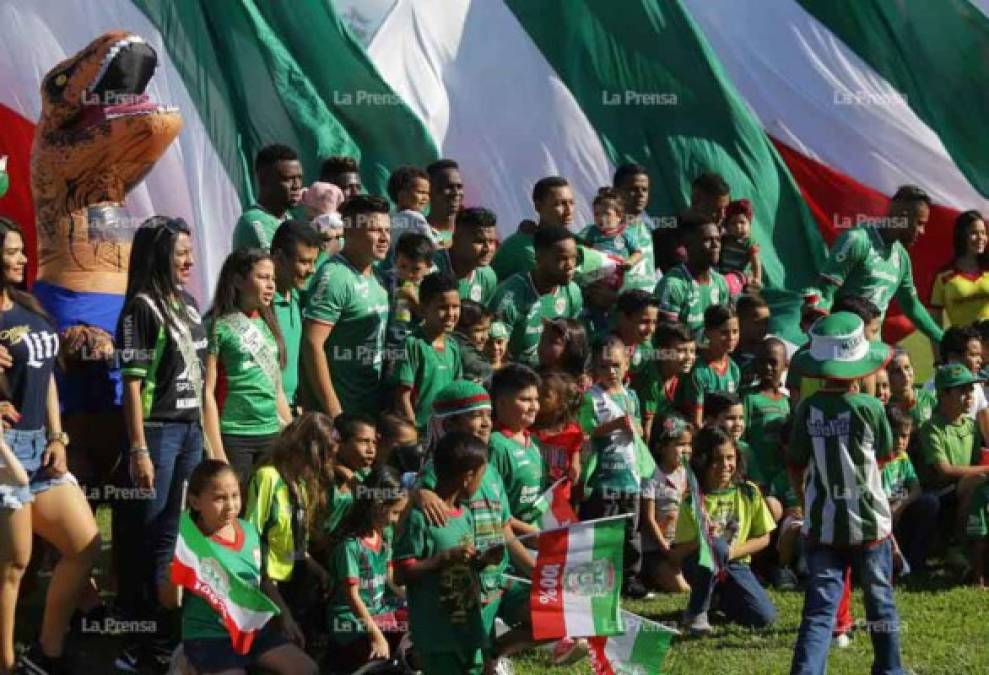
[[243, 608], [640, 651]]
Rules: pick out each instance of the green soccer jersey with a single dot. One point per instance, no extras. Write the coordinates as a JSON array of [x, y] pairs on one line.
[[515, 255], [707, 376], [251, 405], [255, 228], [288, 311], [361, 562], [489, 506], [643, 275], [523, 472], [241, 558], [619, 244], [426, 370], [841, 438], [445, 605], [478, 286], [643, 373], [736, 514], [942, 441], [923, 407], [862, 265], [519, 305], [616, 467], [899, 478], [682, 298], [764, 416], [357, 307]]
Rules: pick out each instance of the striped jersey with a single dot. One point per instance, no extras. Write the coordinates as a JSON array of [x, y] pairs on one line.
[[841, 439]]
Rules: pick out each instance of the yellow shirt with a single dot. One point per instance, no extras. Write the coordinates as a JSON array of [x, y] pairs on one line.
[[963, 296]]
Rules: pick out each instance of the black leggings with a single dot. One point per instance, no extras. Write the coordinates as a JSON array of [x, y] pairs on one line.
[[243, 453]]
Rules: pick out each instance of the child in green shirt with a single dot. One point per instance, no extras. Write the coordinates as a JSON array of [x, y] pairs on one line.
[[357, 438], [715, 370], [439, 565], [363, 624], [673, 358], [431, 357], [619, 459], [413, 261], [609, 233], [214, 502]]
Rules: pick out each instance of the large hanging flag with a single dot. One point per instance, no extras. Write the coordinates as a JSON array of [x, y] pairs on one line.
[[577, 581], [554, 506], [640, 650], [243, 609]]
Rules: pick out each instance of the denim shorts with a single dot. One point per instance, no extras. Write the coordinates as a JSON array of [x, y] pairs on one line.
[[211, 655], [28, 446]]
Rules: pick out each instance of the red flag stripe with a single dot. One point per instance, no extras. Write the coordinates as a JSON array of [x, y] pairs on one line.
[[546, 596], [598, 656]]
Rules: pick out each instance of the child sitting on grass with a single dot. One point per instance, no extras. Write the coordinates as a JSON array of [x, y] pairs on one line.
[[670, 444]]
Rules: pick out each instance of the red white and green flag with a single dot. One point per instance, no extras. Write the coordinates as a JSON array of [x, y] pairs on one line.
[[640, 651], [577, 581], [705, 559], [554, 506], [243, 608]]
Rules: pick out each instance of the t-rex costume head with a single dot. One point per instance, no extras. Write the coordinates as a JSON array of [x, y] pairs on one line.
[[98, 136]]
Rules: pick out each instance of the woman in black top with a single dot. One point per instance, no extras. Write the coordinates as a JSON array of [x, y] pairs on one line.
[[52, 505]]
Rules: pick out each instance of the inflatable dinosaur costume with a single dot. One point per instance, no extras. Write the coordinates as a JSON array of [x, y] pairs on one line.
[[98, 136]]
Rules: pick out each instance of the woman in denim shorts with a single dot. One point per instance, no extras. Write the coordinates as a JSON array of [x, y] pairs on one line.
[[52, 505]]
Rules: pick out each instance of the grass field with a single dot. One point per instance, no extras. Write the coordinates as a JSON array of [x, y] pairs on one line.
[[945, 629]]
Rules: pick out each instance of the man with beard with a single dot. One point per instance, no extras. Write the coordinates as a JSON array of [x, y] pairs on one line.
[[469, 256], [446, 197], [553, 199], [871, 261], [709, 198], [526, 299], [345, 316], [279, 176], [688, 289]]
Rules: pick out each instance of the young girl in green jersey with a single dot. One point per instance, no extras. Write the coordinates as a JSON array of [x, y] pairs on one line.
[[214, 502], [363, 624]]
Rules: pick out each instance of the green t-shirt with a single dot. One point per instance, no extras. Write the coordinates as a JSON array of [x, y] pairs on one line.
[[707, 377], [736, 514], [426, 370], [943, 441], [288, 311], [977, 526], [643, 376], [518, 304], [489, 506], [445, 605], [255, 228], [844, 502], [643, 275], [340, 501], [241, 558], [922, 409], [478, 286], [516, 254], [616, 467], [251, 405], [523, 472], [270, 510], [357, 306], [682, 298], [620, 244], [862, 265], [764, 416], [361, 562], [898, 478]]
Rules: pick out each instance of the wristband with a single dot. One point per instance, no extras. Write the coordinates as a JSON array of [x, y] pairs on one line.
[[139, 451]]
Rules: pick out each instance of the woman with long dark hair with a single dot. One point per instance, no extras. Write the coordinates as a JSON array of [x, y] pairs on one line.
[[961, 289], [51, 505], [162, 345]]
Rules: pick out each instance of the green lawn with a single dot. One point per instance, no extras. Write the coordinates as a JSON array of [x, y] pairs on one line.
[[945, 629]]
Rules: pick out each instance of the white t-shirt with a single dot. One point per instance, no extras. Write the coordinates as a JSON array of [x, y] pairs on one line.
[[666, 490]]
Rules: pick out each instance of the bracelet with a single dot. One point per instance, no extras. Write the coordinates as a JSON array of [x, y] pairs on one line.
[[139, 451]]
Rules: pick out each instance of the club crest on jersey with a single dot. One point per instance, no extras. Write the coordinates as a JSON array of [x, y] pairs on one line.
[[559, 305], [593, 579], [475, 293]]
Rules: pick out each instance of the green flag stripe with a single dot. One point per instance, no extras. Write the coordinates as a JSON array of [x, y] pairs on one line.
[[650, 647], [609, 543], [675, 112], [934, 52]]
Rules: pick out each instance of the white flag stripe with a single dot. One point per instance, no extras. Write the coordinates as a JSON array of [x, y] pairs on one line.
[[577, 608]]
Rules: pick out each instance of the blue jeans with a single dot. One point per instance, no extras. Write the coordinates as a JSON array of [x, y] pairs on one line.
[[736, 592], [153, 519], [872, 567]]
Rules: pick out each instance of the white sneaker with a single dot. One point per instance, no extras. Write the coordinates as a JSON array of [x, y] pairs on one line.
[[503, 666], [843, 641], [697, 624], [568, 650]]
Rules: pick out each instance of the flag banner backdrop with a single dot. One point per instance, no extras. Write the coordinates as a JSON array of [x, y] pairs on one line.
[[816, 111]]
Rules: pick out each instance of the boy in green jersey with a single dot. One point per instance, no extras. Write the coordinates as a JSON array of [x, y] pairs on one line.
[[439, 565], [715, 370], [468, 260], [674, 355], [838, 442], [635, 323], [430, 359]]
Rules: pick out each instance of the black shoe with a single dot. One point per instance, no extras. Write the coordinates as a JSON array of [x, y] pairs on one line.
[[34, 662], [634, 589]]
